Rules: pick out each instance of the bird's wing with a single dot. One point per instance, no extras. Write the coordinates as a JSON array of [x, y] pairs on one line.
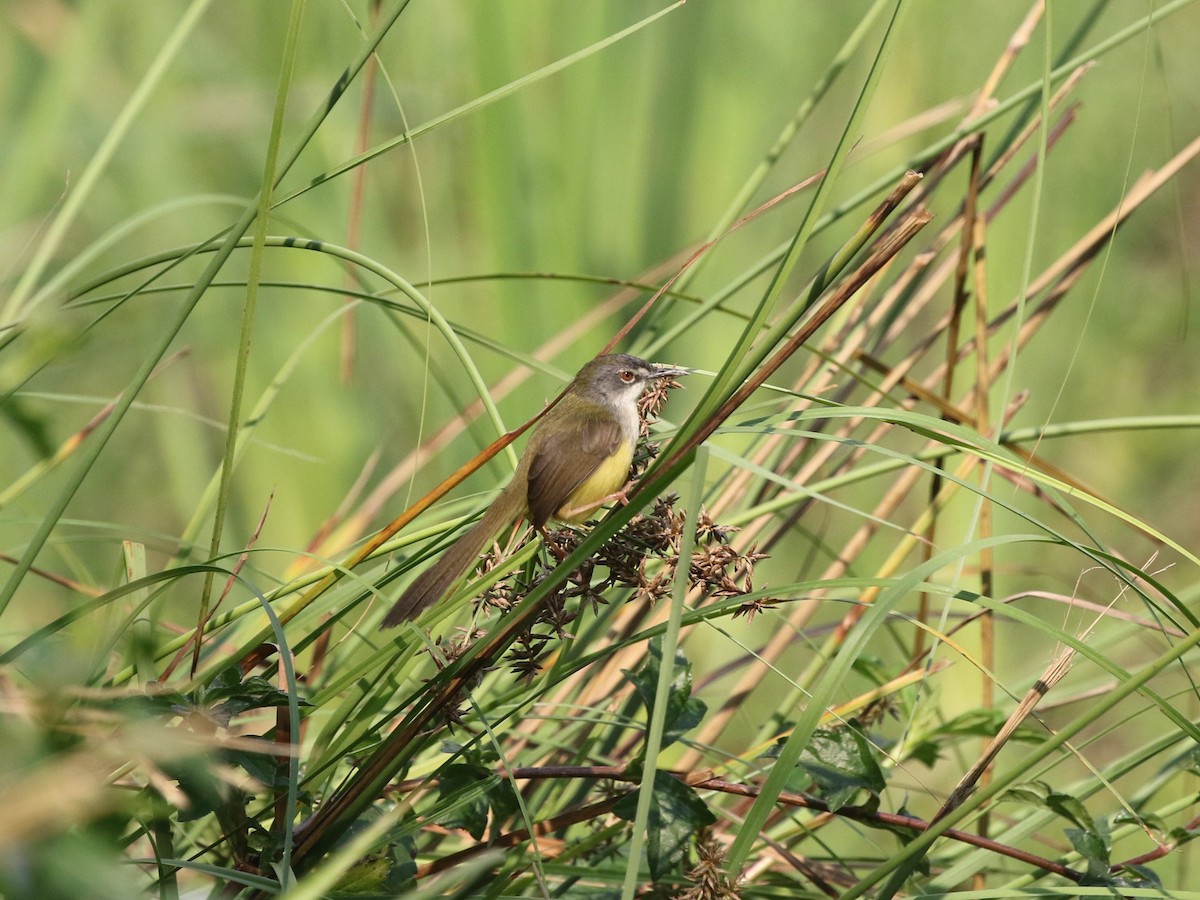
[[562, 462]]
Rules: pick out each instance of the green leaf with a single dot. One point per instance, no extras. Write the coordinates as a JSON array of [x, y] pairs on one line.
[[676, 813], [502, 797], [1094, 848], [980, 723], [204, 791], [33, 426], [1071, 808], [872, 668], [1041, 794], [905, 835], [1139, 877], [927, 752], [465, 787], [840, 763], [473, 791], [1033, 793], [389, 873], [228, 695], [684, 712], [267, 770], [1190, 762], [1147, 820]]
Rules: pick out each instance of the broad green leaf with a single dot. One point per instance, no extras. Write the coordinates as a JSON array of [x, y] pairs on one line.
[[840, 763], [684, 712], [676, 814]]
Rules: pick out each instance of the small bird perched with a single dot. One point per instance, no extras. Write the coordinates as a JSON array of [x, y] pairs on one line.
[[577, 458]]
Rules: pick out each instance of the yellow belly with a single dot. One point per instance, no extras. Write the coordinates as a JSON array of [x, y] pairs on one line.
[[608, 478]]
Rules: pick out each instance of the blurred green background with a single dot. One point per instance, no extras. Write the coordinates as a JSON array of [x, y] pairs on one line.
[[608, 168], [615, 167]]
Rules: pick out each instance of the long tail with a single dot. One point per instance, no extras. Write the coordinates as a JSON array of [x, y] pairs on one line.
[[431, 584]]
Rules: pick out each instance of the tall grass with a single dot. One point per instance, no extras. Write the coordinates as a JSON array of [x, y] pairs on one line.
[[903, 600]]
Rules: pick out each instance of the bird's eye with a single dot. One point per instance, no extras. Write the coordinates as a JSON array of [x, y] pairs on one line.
[[627, 376]]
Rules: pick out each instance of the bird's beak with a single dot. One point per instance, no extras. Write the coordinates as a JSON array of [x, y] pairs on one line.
[[663, 370]]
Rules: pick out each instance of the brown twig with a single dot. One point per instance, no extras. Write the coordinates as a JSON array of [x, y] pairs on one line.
[[705, 782]]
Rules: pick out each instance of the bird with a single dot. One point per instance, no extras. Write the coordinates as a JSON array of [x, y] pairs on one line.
[[577, 458]]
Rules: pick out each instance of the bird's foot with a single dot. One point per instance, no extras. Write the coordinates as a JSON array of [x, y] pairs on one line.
[[621, 496]]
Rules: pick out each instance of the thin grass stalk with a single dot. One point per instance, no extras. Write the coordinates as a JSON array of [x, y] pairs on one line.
[[354, 212], [666, 674], [749, 350], [157, 350], [340, 810], [476, 105], [888, 247], [987, 629], [20, 303], [271, 160], [373, 774], [843, 342], [1131, 683]]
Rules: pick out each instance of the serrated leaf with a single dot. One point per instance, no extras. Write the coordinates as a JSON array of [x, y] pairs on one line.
[[1033, 792], [253, 693], [474, 791], [224, 683], [684, 712], [873, 669], [926, 752], [263, 768], [1023, 795], [1191, 761], [1146, 820], [905, 835], [204, 791], [1093, 848], [974, 723], [390, 873], [465, 788], [1180, 834], [227, 695], [676, 813], [840, 763], [1139, 877], [1071, 808], [798, 781], [502, 798]]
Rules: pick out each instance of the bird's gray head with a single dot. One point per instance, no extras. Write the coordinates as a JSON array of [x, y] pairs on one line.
[[620, 378]]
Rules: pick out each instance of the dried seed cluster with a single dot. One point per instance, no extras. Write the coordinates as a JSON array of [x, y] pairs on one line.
[[643, 558], [708, 879], [446, 652]]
